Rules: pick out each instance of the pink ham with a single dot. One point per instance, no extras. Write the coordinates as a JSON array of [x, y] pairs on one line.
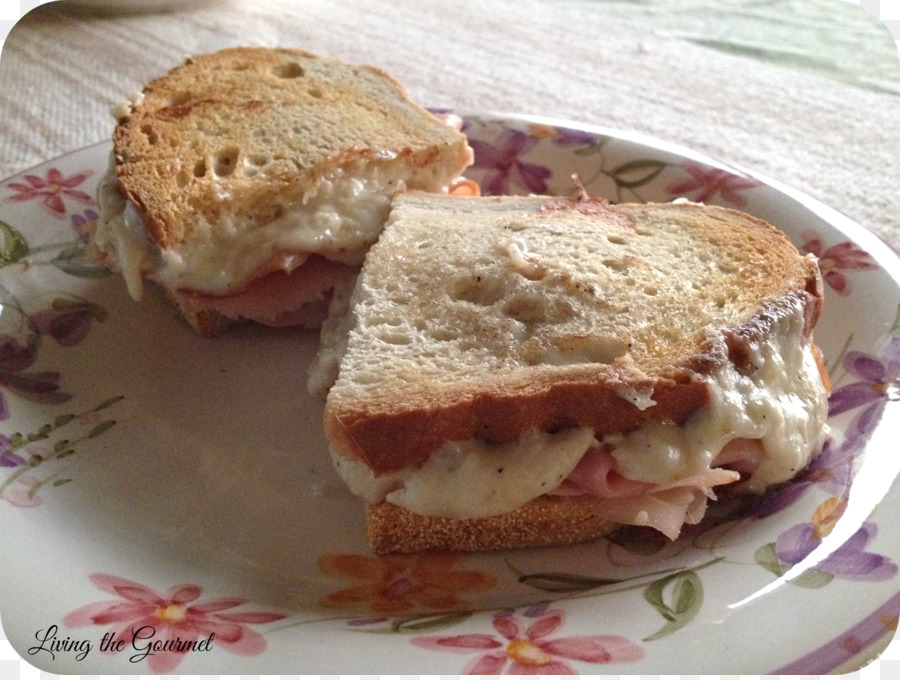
[[279, 298], [665, 507]]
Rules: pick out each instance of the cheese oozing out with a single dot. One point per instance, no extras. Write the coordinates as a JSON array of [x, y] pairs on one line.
[[340, 218], [782, 404]]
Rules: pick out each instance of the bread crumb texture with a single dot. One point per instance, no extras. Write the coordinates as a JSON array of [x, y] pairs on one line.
[[465, 290]]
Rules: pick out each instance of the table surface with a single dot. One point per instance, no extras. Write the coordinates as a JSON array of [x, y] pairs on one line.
[[807, 93]]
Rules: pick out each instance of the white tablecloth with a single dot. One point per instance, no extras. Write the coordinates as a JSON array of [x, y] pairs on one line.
[[834, 139]]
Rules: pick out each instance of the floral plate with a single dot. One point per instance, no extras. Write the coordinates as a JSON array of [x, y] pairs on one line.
[[167, 502]]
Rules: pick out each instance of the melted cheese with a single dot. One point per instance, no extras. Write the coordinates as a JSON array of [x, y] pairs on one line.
[[526, 263], [472, 478], [782, 404], [641, 398], [339, 220], [120, 234]]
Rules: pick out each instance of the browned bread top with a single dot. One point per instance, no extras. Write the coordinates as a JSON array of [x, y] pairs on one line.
[[220, 135], [484, 317]]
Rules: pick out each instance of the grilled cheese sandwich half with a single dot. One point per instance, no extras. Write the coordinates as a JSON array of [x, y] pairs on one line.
[[249, 183], [575, 366]]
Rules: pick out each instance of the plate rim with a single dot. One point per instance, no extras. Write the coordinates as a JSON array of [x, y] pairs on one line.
[[886, 254]]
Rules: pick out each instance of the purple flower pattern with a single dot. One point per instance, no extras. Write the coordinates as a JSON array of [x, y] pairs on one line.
[[506, 170], [67, 321], [831, 471], [849, 561], [8, 458], [81, 223], [879, 382], [41, 387]]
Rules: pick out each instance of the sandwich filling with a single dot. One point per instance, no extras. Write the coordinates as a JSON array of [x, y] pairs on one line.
[[338, 219], [758, 429]]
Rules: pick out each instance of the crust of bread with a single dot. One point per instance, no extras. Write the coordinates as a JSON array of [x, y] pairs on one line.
[[260, 122], [546, 520], [391, 407]]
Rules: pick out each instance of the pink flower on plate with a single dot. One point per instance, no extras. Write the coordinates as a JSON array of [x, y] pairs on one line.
[[837, 259], [704, 183], [523, 647], [145, 616], [20, 493], [52, 189]]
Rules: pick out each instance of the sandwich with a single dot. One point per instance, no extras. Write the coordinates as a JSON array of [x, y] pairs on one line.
[[523, 371], [248, 183]]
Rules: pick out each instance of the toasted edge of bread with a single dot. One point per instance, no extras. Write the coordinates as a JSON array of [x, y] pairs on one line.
[[546, 520]]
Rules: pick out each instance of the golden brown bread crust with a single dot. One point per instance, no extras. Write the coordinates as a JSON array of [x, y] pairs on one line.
[[391, 430], [391, 442], [546, 520]]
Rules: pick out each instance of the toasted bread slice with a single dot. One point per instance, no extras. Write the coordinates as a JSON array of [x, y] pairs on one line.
[[478, 322], [485, 317], [247, 161]]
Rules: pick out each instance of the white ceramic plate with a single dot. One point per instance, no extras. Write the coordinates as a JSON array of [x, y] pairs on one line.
[[156, 482]]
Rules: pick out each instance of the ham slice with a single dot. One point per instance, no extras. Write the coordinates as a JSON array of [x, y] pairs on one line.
[[665, 507], [284, 297]]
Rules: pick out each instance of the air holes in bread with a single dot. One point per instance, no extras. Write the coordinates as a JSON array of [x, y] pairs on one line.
[[200, 168], [575, 349], [289, 70], [615, 265], [253, 163], [264, 137], [533, 307], [617, 239], [315, 93], [183, 178], [479, 290], [225, 161], [150, 134], [178, 99]]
